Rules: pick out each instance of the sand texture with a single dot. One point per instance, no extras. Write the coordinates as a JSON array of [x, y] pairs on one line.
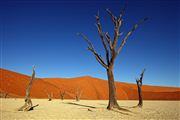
[[89, 109]]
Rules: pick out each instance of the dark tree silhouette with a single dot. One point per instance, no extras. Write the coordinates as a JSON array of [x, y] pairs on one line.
[[111, 49], [28, 103], [139, 85]]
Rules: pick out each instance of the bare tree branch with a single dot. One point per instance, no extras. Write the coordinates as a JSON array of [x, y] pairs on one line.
[[139, 81], [114, 18], [86, 39], [98, 58], [117, 23], [98, 25], [141, 78], [110, 49], [91, 48], [108, 40], [122, 11], [130, 33]]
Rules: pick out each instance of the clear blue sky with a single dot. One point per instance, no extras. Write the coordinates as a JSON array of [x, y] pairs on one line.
[[43, 33]]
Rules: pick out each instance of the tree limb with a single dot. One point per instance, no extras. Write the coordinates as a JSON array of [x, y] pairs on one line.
[[117, 23], [142, 75], [129, 34], [98, 25], [108, 40], [86, 39], [122, 11], [91, 48], [139, 81], [114, 18]]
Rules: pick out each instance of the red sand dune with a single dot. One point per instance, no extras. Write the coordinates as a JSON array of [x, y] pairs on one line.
[[92, 88]]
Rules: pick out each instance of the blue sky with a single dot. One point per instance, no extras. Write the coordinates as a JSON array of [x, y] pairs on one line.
[[43, 33]]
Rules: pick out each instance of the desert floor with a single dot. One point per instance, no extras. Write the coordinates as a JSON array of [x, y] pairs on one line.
[[89, 109]]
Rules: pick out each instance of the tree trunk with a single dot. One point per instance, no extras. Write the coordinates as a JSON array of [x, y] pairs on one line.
[[50, 95], [5, 95], [112, 90], [28, 103], [111, 49], [140, 104], [62, 94], [77, 98], [78, 95], [27, 106]]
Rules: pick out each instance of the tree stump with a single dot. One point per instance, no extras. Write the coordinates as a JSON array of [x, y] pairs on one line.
[[27, 106]]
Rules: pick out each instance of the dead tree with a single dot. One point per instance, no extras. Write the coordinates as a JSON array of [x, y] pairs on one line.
[[62, 94], [139, 85], [50, 95], [28, 103], [1, 94], [111, 50], [6, 95], [78, 94]]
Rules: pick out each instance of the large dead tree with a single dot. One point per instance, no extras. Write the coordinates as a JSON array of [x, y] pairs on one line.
[[28, 103], [111, 49], [139, 85]]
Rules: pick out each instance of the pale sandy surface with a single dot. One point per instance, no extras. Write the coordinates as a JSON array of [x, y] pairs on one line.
[[57, 110]]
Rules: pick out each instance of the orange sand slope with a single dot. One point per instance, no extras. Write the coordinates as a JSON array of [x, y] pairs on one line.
[[92, 88]]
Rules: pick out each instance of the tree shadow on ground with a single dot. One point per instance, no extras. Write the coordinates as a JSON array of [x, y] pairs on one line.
[[121, 110], [81, 105], [136, 106], [124, 109]]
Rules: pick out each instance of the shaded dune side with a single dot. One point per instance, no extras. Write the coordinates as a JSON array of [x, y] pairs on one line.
[[151, 92], [15, 83], [92, 88]]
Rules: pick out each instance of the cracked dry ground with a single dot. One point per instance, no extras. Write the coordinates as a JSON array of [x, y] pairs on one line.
[[89, 109]]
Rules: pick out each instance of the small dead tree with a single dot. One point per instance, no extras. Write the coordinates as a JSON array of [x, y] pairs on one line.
[[6, 95], [139, 85], [50, 96], [78, 94], [111, 50], [28, 103], [62, 94], [1, 94]]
